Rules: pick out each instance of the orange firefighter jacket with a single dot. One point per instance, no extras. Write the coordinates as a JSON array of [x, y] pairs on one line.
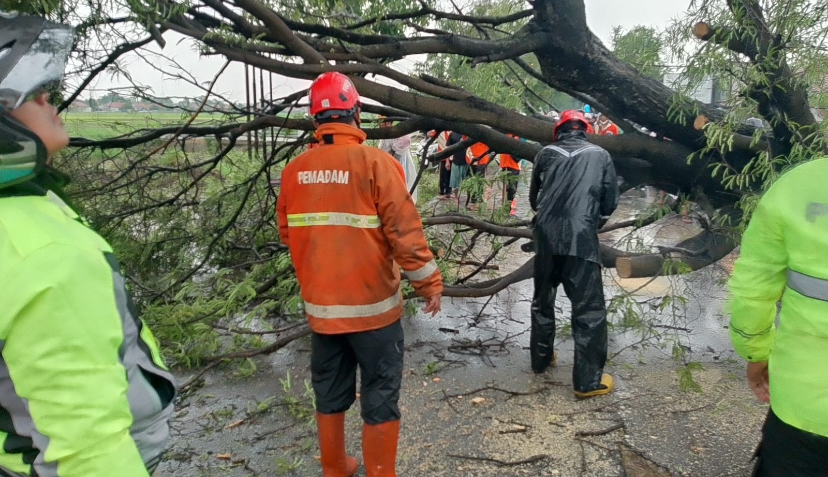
[[507, 161], [478, 154], [609, 130], [350, 224]]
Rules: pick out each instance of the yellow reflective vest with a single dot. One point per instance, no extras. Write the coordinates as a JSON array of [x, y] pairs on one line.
[[83, 388], [785, 257]]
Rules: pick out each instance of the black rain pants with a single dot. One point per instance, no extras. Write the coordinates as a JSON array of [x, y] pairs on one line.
[[445, 179], [790, 452], [379, 356], [584, 287], [511, 184]]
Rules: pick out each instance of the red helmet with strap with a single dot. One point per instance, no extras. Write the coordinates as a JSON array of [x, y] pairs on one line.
[[333, 95], [568, 116]]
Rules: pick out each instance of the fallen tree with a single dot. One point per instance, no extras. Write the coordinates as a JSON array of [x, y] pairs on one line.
[[190, 214]]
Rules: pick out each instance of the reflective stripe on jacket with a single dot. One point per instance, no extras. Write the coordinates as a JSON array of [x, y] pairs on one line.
[[785, 256], [478, 154], [350, 224], [573, 185], [83, 389]]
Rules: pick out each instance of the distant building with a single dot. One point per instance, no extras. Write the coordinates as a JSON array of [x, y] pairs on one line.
[[111, 107], [710, 90], [144, 107], [80, 107]]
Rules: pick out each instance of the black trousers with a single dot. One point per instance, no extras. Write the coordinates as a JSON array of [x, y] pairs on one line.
[[379, 356], [790, 452], [445, 179], [511, 184], [582, 283]]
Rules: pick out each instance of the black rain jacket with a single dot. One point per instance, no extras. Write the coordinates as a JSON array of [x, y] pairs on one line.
[[573, 185]]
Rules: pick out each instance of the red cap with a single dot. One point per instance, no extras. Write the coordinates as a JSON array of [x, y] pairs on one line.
[[567, 116], [332, 95]]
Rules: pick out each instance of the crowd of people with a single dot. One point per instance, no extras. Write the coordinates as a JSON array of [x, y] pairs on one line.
[[84, 391], [474, 160]]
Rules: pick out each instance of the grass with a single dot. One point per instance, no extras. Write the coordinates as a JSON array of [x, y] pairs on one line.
[[428, 187], [105, 125]]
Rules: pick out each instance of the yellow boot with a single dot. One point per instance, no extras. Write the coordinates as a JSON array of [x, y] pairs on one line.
[[607, 383]]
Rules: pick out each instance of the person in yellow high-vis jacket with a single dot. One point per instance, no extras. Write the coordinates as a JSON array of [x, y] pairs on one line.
[[83, 389], [785, 257]]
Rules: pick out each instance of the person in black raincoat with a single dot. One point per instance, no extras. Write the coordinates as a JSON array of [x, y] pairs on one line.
[[573, 190]]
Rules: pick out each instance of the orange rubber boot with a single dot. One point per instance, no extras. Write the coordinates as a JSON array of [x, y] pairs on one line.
[[379, 448], [335, 463]]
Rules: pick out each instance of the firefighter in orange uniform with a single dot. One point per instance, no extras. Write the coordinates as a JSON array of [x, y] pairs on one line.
[[511, 166], [606, 127], [346, 215], [478, 157]]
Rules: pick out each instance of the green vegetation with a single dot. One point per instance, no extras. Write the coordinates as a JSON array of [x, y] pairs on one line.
[[97, 126], [210, 274], [501, 82], [641, 48], [302, 409], [284, 467]]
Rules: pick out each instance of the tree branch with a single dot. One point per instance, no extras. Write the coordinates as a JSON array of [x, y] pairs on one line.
[[119, 51], [425, 10], [724, 37], [492, 287], [697, 252], [281, 31]]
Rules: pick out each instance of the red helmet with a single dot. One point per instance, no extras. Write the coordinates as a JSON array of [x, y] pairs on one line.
[[333, 95], [568, 116]]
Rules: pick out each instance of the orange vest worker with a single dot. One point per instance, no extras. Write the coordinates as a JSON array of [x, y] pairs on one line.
[[507, 161], [346, 215], [478, 153], [350, 224]]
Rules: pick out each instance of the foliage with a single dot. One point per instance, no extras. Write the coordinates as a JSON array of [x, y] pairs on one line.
[[30, 6], [803, 24], [196, 231], [687, 381], [285, 467], [302, 409], [342, 12], [194, 223], [501, 82], [641, 48]]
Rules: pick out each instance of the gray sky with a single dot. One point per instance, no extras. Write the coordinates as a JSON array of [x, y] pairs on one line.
[[602, 16]]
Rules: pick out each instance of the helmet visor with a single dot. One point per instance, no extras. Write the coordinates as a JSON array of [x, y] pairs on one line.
[[41, 68]]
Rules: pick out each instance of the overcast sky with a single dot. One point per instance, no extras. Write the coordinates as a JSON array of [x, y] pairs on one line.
[[602, 16]]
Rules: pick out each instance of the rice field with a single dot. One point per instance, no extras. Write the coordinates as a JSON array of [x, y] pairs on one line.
[[99, 125]]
